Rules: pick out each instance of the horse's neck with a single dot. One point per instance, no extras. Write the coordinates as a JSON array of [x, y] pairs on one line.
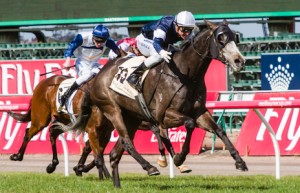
[[194, 61]]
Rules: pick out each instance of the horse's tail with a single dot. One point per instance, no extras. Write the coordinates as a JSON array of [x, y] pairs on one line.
[[83, 117], [24, 118]]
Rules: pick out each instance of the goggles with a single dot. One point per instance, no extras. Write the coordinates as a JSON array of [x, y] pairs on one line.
[[99, 40], [185, 29]]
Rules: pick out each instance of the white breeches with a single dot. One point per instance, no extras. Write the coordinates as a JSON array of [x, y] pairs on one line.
[[146, 48], [86, 71]]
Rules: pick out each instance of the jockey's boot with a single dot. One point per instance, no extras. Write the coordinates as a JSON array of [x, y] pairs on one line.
[[67, 94], [133, 79]]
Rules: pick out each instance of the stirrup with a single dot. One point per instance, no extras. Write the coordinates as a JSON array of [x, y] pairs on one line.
[[137, 86]]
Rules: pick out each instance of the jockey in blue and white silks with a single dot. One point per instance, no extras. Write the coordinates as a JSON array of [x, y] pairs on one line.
[[155, 38], [87, 47]]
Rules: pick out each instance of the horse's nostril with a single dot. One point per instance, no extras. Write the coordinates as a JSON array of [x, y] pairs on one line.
[[237, 61]]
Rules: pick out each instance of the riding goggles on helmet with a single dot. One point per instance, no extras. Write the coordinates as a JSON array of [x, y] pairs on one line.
[[185, 29], [98, 39]]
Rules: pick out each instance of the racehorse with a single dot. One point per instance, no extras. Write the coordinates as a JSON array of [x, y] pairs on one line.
[[175, 93], [42, 111]]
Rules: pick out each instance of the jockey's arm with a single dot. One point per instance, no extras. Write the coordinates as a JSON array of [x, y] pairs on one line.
[[157, 44], [113, 46], [74, 44]]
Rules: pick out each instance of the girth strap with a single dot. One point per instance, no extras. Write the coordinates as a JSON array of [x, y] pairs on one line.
[[143, 106]]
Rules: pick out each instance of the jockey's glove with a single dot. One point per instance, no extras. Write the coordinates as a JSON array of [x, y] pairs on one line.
[[165, 55]]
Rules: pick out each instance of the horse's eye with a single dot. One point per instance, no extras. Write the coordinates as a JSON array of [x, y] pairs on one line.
[[222, 38]]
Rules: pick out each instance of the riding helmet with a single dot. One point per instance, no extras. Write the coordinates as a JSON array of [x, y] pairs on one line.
[[185, 19], [101, 32]]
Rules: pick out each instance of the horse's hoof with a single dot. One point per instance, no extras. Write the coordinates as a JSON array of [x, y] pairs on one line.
[[184, 169], [50, 168], [241, 166], [77, 170], [16, 157], [178, 161], [153, 171], [162, 161]]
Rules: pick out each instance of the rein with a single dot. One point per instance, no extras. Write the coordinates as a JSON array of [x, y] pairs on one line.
[[193, 46]]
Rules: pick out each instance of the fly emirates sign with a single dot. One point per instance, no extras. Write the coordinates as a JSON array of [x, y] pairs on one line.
[[21, 77], [254, 138]]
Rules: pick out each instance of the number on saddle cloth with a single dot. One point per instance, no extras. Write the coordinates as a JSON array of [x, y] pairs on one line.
[[119, 83]]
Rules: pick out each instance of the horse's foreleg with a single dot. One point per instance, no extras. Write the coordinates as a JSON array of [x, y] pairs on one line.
[[175, 118], [207, 122], [54, 133], [166, 141], [180, 158], [162, 160]]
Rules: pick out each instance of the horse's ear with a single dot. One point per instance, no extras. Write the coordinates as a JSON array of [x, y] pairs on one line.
[[225, 22], [210, 24]]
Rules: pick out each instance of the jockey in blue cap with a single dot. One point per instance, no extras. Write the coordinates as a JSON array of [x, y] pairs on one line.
[[87, 47], [155, 38]]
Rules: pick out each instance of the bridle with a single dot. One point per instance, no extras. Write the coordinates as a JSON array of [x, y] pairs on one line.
[[219, 56]]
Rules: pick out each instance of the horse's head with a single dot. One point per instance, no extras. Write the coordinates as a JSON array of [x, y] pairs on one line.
[[223, 46]]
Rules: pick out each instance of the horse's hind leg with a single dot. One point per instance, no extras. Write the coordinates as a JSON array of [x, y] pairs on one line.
[[98, 145], [113, 114], [115, 157], [29, 133], [54, 133], [206, 121]]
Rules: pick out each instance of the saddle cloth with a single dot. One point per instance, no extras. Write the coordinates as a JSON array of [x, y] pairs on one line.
[[119, 83], [63, 87]]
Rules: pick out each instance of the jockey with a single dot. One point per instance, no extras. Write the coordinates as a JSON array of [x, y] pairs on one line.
[[87, 47], [128, 45], [155, 38]]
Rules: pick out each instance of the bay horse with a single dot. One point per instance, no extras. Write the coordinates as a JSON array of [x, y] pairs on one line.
[[42, 112], [175, 92]]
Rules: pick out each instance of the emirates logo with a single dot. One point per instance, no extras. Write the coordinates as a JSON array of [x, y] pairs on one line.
[[279, 77]]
